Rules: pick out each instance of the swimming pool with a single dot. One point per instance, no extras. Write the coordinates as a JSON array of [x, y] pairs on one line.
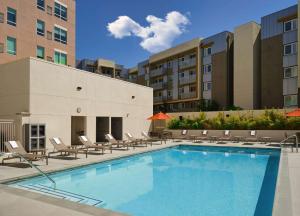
[[183, 180]]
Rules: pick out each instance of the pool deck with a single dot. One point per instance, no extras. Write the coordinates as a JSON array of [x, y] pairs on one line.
[[287, 198]]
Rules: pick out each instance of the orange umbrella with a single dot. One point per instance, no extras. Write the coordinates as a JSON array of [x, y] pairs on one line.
[[159, 116], [295, 113]]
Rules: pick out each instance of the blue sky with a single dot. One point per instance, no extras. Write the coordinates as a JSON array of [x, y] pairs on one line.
[[206, 17]]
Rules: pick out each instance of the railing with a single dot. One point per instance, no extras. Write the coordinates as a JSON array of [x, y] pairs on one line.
[[295, 138], [186, 80], [157, 72], [187, 63], [157, 85], [187, 95], [7, 133]]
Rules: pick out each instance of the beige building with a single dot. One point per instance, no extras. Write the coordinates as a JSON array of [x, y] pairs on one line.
[[102, 66], [37, 28], [70, 102], [247, 66]]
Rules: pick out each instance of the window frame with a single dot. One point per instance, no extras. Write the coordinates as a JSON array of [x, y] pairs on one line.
[[205, 51], [59, 39], [293, 23], [207, 86], [11, 52], [38, 32], [294, 49], [60, 55], [205, 68], [60, 8], [293, 72], [290, 105], [43, 48], [41, 7], [8, 21]]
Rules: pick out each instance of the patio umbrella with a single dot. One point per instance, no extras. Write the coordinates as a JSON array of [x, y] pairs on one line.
[[295, 113], [159, 116]]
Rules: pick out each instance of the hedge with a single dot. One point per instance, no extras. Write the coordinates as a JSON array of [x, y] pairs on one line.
[[269, 120]]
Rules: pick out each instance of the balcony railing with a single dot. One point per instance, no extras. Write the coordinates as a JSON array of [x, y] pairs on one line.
[[157, 72], [187, 63], [157, 85], [158, 99], [186, 80], [187, 95]]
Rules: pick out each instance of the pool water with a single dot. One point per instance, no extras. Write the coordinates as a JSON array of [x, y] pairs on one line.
[[183, 180]]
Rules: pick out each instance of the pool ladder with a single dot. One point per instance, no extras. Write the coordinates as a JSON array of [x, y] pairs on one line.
[[294, 137], [39, 170]]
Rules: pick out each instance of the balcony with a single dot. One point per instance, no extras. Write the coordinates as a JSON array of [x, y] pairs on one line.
[[187, 95], [187, 63], [157, 72], [187, 80], [157, 99], [157, 86]]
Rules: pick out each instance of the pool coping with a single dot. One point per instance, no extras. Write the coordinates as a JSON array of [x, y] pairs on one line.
[[281, 200]]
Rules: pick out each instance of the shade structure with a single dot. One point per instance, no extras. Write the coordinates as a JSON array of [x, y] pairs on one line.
[[159, 116], [295, 113]]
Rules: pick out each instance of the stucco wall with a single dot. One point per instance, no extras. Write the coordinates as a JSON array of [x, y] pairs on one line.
[[54, 98]]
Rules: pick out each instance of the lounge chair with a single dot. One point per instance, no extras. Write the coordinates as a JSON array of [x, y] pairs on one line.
[[226, 136], [183, 135], [18, 151], [89, 145], [60, 147], [135, 141], [252, 137], [203, 136], [151, 140], [117, 143]]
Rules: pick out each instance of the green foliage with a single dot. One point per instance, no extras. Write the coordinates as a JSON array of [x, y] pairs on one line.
[[268, 120]]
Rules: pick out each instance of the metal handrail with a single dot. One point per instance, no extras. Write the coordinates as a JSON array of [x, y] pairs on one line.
[[39, 170], [292, 136]]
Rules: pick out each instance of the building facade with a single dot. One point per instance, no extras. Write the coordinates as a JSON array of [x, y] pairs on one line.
[[102, 66], [38, 28], [279, 59], [70, 102]]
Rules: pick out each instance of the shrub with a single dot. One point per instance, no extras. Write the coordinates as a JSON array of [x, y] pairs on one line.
[[268, 120]]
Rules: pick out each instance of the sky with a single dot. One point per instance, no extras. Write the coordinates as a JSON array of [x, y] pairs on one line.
[[129, 31]]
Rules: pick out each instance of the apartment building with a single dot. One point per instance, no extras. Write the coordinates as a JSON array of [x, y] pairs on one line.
[[279, 59], [102, 66], [38, 28], [217, 69]]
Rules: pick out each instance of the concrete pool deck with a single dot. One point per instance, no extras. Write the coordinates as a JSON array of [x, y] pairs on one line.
[[287, 198]]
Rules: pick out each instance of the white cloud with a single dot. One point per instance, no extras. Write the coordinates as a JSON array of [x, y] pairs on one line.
[[157, 36]]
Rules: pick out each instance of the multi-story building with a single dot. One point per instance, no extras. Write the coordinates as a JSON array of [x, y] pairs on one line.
[[189, 75], [279, 59], [102, 66], [38, 28]]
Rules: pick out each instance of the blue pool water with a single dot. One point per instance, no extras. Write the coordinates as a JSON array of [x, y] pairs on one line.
[[184, 180]]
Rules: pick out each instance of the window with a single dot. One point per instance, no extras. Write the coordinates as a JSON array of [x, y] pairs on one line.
[[290, 49], [207, 51], [60, 58], [11, 16], [49, 10], [192, 73], [192, 56], [40, 52], [40, 4], [290, 72], [11, 46], [1, 47], [207, 68], [60, 11], [40, 28], [290, 100], [60, 35], [192, 88], [207, 86], [181, 75], [290, 25], [1, 17], [181, 90]]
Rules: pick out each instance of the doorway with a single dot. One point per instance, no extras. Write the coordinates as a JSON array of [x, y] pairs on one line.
[[117, 127], [78, 128], [102, 128]]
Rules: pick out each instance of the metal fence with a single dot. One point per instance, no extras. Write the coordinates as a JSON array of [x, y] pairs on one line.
[[7, 132]]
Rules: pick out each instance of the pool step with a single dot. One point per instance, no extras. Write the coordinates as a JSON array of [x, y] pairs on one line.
[[62, 194]]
